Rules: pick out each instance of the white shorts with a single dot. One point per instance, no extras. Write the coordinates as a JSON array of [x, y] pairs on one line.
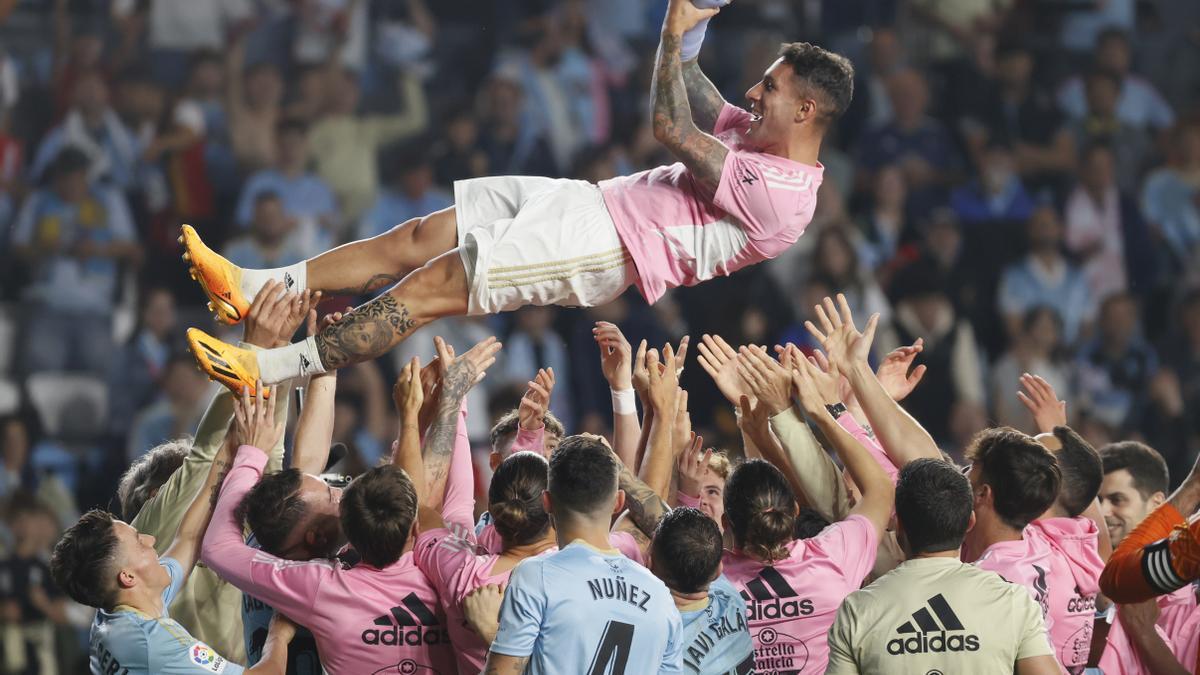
[[527, 240]]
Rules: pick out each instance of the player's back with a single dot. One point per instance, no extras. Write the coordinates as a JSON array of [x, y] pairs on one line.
[[588, 611], [716, 637]]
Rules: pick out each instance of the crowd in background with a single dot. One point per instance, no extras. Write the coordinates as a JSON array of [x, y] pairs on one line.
[[1017, 184]]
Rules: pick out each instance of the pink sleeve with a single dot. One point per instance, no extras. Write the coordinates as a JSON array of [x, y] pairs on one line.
[[458, 506], [531, 440], [628, 546], [851, 545], [288, 586], [731, 117], [490, 541], [764, 201], [864, 437], [687, 500], [441, 555]]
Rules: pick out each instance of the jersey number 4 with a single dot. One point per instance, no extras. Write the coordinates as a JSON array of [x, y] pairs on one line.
[[614, 649]]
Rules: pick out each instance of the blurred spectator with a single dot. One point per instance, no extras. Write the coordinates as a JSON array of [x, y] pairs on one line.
[[511, 146], [1038, 350], [254, 96], [996, 195], [954, 26], [275, 239], [331, 31], [184, 396], [1086, 24], [836, 260], [92, 127], [1115, 367], [1182, 354], [1046, 277], [30, 604], [952, 396], [305, 196], [344, 144], [75, 237], [918, 144], [884, 222], [532, 344], [179, 29], [1138, 104], [133, 380], [1171, 196], [410, 193], [458, 156], [1015, 112], [1131, 145], [361, 417], [1105, 231], [16, 472]]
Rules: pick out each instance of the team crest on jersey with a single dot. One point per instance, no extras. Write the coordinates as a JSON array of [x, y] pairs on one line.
[[206, 657]]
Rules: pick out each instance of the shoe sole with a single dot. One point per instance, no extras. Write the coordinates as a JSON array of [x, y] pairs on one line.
[[220, 304]]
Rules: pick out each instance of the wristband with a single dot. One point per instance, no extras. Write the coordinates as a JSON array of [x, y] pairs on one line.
[[836, 409], [624, 402]]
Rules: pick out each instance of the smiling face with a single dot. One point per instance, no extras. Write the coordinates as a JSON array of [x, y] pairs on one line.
[[319, 532], [774, 104], [1122, 504]]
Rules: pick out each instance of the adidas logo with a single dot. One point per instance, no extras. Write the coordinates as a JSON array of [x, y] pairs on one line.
[[768, 596], [305, 365], [411, 624], [288, 281], [927, 637]]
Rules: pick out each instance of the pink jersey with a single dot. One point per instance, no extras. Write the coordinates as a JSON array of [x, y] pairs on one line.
[[1025, 562], [1179, 618], [867, 440], [1073, 583], [454, 567], [364, 619], [1120, 656], [677, 237], [791, 604], [489, 542]]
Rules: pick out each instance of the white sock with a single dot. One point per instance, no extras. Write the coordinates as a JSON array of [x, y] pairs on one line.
[[299, 359], [293, 277]]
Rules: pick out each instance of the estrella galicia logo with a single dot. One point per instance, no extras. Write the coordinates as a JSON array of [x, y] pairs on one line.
[[769, 597], [924, 635], [411, 623]]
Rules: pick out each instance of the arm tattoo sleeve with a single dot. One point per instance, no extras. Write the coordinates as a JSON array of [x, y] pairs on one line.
[[514, 666], [645, 507], [703, 97], [371, 285], [367, 332], [701, 153], [439, 442]]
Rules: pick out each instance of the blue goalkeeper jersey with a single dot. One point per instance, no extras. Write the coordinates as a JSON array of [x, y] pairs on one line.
[[586, 611]]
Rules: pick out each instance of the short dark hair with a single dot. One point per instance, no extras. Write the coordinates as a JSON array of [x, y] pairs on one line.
[[1145, 465], [934, 505], [583, 475], [506, 426], [148, 473], [687, 550], [1024, 476], [1082, 471], [71, 159], [273, 508], [377, 513], [83, 560], [761, 510], [515, 499], [830, 74], [809, 523]]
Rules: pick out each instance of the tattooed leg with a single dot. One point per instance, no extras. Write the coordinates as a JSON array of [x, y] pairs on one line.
[[372, 329], [368, 265]]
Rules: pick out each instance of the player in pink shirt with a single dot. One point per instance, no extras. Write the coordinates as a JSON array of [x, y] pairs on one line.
[[793, 587], [742, 192], [1014, 479]]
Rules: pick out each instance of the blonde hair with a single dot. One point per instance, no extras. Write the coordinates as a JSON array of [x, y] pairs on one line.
[[719, 464]]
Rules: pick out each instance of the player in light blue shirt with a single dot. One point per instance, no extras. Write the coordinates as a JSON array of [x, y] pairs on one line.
[[587, 609], [686, 554], [105, 563]]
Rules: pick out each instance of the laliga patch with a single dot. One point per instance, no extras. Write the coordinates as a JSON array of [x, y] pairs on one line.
[[207, 658]]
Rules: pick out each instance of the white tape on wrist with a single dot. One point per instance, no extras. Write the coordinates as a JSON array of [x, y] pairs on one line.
[[624, 402]]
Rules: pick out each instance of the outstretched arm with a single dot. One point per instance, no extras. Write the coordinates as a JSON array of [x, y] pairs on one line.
[[703, 97], [674, 127]]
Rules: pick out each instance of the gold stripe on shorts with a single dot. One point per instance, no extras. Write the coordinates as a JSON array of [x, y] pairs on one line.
[[500, 271], [558, 272]]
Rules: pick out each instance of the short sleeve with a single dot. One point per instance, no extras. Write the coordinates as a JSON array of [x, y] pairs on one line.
[[731, 117], [1032, 640], [441, 555], [744, 194], [841, 641], [851, 544], [522, 611], [175, 571]]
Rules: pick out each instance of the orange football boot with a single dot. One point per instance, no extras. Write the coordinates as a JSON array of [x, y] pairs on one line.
[[220, 279], [231, 366]]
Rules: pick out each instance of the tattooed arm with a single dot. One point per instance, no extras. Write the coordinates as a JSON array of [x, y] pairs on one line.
[[459, 376], [703, 97], [503, 664], [365, 333], [674, 127], [643, 509]]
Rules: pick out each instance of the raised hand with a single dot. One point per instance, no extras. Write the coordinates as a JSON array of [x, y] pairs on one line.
[[842, 342], [663, 382], [641, 375], [1041, 400], [815, 388], [616, 356], [719, 360], [893, 373], [460, 373], [408, 394], [767, 379], [536, 400], [275, 315], [681, 432], [254, 420], [692, 468]]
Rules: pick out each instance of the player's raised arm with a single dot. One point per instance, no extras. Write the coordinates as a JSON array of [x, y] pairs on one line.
[[674, 125]]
